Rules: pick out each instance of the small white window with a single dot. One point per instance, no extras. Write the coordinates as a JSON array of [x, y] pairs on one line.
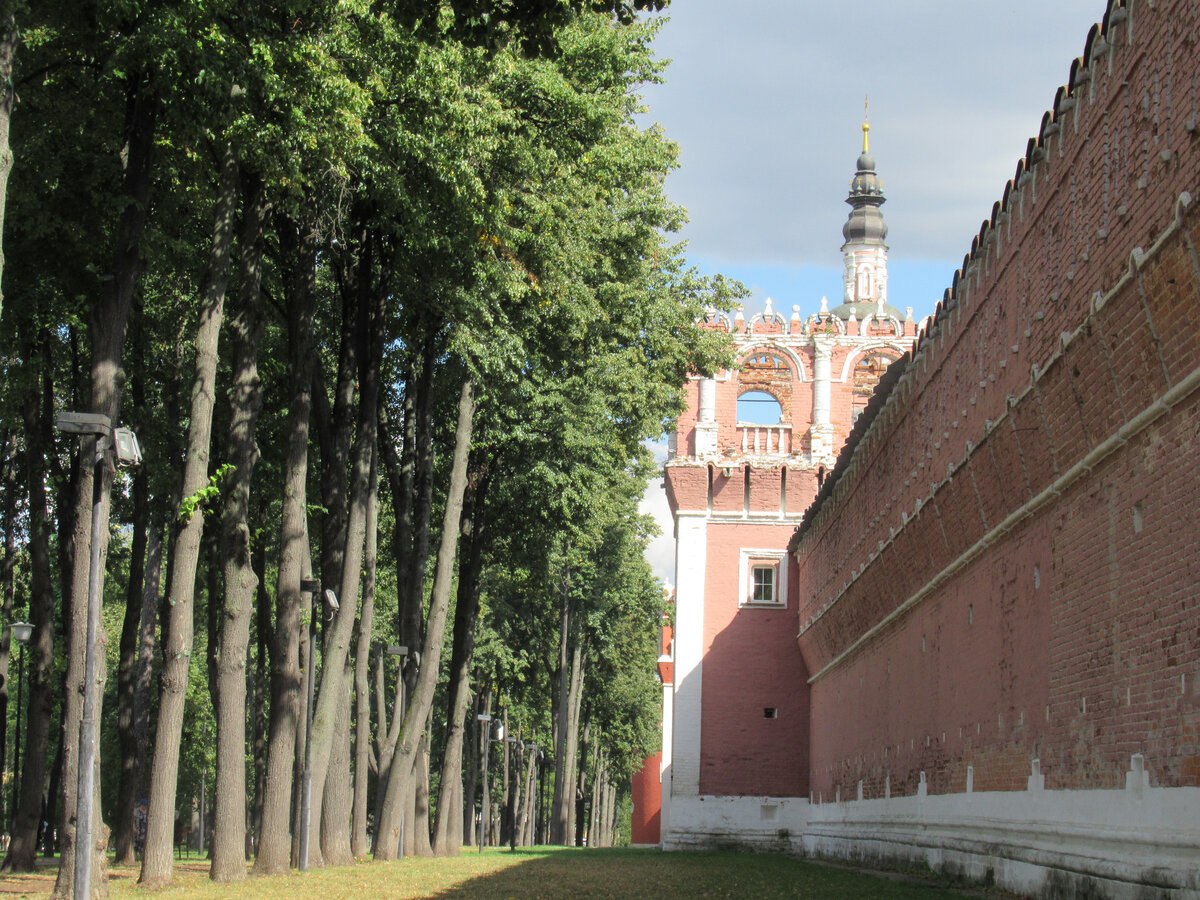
[[763, 589], [763, 578]]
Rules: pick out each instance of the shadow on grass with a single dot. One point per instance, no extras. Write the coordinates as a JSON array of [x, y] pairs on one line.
[[549, 874]]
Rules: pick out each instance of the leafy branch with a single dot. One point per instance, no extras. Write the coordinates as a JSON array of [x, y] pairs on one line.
[[206, 496]]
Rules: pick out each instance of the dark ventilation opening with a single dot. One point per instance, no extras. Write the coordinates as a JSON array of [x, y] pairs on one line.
[[770, 712]]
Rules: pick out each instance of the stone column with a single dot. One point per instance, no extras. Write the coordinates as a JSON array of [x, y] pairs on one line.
[[822, 430], [706, 425], [691, 535]]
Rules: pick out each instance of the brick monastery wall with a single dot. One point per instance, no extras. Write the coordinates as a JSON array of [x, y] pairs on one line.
[[1004, 571]]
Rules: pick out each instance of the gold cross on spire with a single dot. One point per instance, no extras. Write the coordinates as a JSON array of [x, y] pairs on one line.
[[866, 126]]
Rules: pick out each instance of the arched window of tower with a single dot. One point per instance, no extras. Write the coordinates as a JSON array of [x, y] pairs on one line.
[[866, 275], [867, 373], [766, 380], [758, 408]]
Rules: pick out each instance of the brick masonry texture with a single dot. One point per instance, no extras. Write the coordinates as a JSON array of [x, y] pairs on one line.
[[1005, 571], [751, 664]]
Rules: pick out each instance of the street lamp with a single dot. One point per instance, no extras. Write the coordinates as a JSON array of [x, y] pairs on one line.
[[119, 447], [21, 633], [331, 600]]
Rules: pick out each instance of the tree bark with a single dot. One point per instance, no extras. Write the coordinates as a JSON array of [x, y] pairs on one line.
[[334, 825], [275, 845], [10, 37], [422, 699], [448, 834], [420, 818], [241, 581], [563, 784], [263, 640], [22, 850], [360, 845], [525, 830], [177, 649], [130, 774], [333, 691], [110, 318]]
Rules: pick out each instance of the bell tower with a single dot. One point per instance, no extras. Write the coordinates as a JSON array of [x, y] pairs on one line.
[[864, 253]]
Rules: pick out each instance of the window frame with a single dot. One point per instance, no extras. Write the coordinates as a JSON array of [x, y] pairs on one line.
[[752, 559]]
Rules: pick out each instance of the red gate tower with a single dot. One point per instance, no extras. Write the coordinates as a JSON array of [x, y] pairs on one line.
[[747, 458]]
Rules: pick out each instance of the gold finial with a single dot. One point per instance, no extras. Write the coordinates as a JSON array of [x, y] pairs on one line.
[[866, 126]]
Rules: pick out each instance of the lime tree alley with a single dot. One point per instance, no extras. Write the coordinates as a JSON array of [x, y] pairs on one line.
[[388, 295]]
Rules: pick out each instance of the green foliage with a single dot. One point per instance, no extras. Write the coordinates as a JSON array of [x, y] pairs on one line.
[[206, 497]]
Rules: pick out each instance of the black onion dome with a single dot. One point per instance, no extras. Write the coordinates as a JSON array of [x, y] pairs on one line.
[[865, 223]]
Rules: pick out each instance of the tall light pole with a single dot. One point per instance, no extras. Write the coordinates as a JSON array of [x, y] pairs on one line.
[[21, 633], [331, 600], [117, 446]]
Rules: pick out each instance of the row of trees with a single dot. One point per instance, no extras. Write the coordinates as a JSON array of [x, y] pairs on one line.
[[383, 289]]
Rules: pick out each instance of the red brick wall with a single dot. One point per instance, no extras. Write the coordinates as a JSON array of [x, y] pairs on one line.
[[1063, 632], [750, 663], [647, 802]]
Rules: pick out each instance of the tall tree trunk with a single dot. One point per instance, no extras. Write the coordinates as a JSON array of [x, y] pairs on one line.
[[109, 321], [275, 845], [177, 649], [334, 687], [10, 37], [338, 793], [525, 829], [147, 621], [335, 428], [419, 708], [471, 763], [563, 785], [241, 581], [448, 835], [579, 831], [360, 845], [575, 701], [9, 492], [258, 714], [22, 849], [420, 817], [129, 782], [567, 749], [388, 732]]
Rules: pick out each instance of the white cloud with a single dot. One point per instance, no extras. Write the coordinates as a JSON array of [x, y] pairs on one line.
[[765, 101]]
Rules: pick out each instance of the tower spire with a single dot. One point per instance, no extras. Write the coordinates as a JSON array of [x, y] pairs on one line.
[[864, 254], [866, 123]]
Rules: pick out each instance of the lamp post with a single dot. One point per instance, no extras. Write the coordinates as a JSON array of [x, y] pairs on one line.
[[117, 446], [21, 633], [330, 600]]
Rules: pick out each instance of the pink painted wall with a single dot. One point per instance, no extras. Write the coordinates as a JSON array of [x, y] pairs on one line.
[[751, 662]]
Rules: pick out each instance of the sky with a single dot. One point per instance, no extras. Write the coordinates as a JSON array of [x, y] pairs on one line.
[[765, 100]]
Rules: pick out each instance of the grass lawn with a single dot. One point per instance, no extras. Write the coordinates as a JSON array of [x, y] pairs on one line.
[[540, 873]]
